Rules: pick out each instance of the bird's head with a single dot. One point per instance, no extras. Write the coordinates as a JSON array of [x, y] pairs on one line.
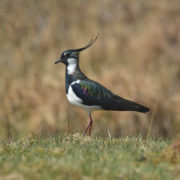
[[71, 56]]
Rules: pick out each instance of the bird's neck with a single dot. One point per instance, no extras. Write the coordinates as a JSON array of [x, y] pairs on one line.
[[73, 72], [69, 80]]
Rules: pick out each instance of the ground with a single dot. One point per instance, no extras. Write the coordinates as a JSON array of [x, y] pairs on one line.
[[78, 157]]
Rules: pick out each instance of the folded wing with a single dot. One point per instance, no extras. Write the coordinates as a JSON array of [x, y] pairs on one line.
[[92, 93]]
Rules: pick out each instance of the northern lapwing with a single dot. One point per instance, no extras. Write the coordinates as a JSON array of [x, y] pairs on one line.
[[88, 94]]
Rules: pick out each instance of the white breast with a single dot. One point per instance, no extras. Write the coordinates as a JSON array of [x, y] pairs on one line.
[[73, 99]]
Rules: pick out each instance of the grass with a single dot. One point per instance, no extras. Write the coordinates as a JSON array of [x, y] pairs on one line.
[[77, 157], [136, 56]]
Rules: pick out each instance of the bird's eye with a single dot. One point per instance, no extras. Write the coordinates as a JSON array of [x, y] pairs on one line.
[[67, 54]]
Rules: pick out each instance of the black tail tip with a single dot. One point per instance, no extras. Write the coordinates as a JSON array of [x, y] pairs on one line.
[[144, 109]]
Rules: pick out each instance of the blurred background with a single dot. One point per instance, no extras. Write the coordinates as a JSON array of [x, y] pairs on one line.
[[137, 56]]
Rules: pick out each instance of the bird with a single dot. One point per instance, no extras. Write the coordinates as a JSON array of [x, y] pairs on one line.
[[88, 94]]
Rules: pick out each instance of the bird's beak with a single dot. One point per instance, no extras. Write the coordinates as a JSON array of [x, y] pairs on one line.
[[59, 60]]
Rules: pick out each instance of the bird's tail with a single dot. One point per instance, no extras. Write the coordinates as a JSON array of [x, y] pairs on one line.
[[121, 104]]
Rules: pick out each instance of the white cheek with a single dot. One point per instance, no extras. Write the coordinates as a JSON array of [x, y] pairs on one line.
[[72, 61], [71, 68], [72, 64]]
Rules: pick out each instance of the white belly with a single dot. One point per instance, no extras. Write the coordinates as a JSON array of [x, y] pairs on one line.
[[73, 99]]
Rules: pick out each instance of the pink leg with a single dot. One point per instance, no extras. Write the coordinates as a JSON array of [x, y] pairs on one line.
[[89, 126]]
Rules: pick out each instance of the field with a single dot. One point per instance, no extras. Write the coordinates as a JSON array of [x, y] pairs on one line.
[[76, 157]]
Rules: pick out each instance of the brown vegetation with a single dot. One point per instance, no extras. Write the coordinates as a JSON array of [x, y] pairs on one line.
[[137, 56]]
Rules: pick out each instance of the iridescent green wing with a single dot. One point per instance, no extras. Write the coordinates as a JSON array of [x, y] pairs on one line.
[[91, 92]]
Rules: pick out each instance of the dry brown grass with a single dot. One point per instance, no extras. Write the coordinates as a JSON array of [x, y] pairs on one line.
[[136, 56]]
